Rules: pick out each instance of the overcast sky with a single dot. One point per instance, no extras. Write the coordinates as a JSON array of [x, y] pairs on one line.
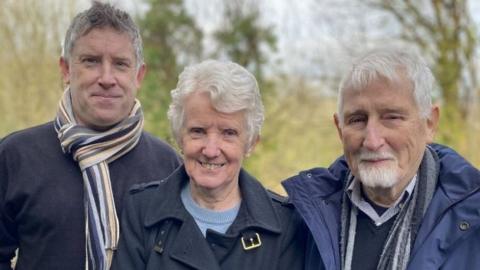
[[315, 37]]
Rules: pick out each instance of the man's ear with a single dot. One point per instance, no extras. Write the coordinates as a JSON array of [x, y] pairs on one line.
[[140, 75], [65, 69], [337, 124], [432, 123]]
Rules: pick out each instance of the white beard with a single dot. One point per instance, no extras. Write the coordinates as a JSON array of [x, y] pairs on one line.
[[384, 176], [372, 176]]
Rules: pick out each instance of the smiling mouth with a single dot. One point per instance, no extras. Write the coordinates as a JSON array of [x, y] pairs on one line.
[[375, 160], [106, 96], [211, 166]]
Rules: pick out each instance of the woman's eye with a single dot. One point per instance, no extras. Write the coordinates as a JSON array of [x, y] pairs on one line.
[[196, 131], [230, 132]]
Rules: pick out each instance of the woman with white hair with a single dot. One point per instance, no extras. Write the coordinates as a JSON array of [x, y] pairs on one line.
[[210, 213]]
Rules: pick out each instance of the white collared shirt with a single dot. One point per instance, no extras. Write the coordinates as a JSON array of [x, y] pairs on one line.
[[355, 195]]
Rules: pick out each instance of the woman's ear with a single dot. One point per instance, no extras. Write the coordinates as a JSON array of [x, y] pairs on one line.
[[252, 146]]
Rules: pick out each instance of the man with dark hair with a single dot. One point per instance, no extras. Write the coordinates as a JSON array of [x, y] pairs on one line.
[[62, 183], [398, 202]]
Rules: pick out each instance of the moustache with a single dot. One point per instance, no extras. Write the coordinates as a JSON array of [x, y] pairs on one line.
[[366, 155]]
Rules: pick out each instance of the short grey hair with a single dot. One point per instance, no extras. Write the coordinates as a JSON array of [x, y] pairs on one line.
[[101, 15], [390, 64], [231, 89]]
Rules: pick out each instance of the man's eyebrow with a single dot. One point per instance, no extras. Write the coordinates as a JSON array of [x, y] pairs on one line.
[[400, 110], [88, 55], [122, 58], [355, 112]]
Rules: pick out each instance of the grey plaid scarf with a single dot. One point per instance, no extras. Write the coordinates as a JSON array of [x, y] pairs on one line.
[[400, 240], [93, 151]]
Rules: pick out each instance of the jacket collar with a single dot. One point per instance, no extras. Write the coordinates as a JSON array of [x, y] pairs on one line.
[[458, 178], [256, 209], [166, 202], [455, 202]]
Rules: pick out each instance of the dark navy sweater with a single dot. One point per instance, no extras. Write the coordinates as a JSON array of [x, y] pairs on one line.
[[41, 195]]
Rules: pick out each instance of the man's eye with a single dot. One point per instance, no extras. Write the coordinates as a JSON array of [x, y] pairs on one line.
[[393, 117], [122, 64], [90, 60], [355, 120]]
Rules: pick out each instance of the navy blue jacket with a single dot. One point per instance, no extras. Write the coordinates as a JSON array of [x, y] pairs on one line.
[[449, 236], [159, 233], [41, 196]]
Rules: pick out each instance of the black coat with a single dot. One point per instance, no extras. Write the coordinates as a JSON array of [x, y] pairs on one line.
[[159, 233]]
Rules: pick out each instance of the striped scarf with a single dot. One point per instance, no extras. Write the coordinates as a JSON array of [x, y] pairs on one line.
[[94, 150]]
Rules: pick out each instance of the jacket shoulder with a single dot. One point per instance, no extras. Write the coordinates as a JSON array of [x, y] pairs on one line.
[[317, 181], [153, 141], [29, 135]]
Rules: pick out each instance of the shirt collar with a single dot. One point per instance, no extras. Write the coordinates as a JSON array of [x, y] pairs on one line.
[[355, 195]]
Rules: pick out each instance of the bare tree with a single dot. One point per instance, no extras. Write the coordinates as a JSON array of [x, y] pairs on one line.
[[31, 32], [171, 40], [244, 37], [443, 30]]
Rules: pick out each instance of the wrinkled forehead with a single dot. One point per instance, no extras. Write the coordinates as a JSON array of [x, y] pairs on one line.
[[360, 78], [380, 92], [103, 28], [382, 88]]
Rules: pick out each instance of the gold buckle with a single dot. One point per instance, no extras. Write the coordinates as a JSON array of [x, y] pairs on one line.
[[253, 242]]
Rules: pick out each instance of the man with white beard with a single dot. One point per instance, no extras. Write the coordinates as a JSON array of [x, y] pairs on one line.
[[395, 200]]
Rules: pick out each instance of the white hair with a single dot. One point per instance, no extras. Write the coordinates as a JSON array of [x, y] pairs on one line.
[[390, 64], [231, 89]]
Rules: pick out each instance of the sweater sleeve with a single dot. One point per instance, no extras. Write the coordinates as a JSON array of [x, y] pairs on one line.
[[8, 236]]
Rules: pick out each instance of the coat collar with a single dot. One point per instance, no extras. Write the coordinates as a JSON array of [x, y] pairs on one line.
[[455, 201], [458, 178], [256, 210], [165, 202]]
